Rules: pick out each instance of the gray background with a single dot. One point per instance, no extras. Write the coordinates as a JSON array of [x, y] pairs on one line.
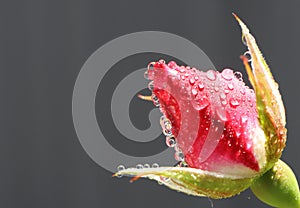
[[43, 45]]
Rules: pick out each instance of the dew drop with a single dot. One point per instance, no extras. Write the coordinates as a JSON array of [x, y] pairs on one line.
[[167, 132], [120, 168], [146, 165], [139, 166], [170, 141], [156, 104], [172, 65], [242, 91], [211, 75], [182, 69], [227, 74], [179, 156], [146, 75], [162, 61], [201, 86], [244, 119], [162, 121], [238, 75], [234, 103], [194, 92], [155, 100], [248, 55], [222, 96], [224, 102], [200, 104], [216, 89], [192, 81], [150, 66], [155, 165], [151, 85], [230, 86], [167, 124], [182, 164]]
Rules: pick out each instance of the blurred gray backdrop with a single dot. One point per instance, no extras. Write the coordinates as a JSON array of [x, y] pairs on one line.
[[43, 45]]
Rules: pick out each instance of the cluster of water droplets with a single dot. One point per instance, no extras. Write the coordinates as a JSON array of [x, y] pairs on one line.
[[164, 122], [138, 166], [170, 139]]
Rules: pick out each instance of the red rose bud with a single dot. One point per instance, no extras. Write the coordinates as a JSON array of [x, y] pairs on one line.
[[213, 117]]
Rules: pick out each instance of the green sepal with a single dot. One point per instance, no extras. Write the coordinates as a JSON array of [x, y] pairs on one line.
[[270, 106], [193, 181], [278, 187]]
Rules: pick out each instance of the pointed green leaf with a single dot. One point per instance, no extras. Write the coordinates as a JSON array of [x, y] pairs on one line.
[[269, 103], [193, 181]]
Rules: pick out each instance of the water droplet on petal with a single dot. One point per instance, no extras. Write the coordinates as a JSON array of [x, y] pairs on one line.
[[238, 75], [170, 141], [182, 69], [146, 75], [150, 66], [139, 166], [151, 85], [244, 119], [155, 165], [227, 74], [230, 86], [248, 146], [211, 75], [155, 100], [162, 120], [172, 65], [179, 156], [222, 96], [167, 132], [201, 86], [162, 61], [167, 124], [248, 55], [200, 104], [146, 165], [234, 103], [192, 81], [120, 168], [194, 92]]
